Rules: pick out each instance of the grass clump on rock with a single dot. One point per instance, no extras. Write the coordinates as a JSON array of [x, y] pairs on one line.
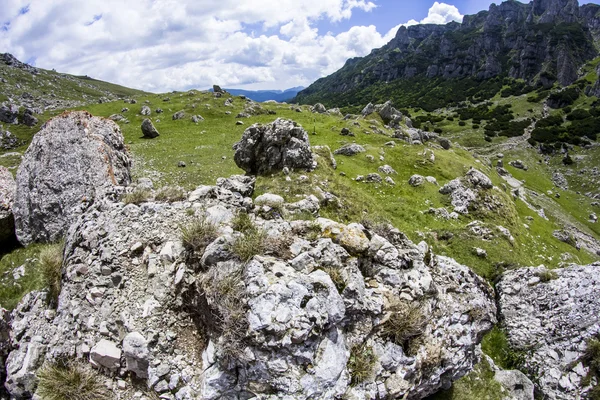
[[137, 197], [198, 234], [171, 194], [70, 381], [252, 243], [591, 359], [50, 265], [361, 363], [405, 322]]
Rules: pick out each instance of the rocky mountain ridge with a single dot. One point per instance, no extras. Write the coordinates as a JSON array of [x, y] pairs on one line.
[[543, 42]]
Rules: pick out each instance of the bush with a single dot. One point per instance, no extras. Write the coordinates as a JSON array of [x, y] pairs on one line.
[[361, 363], [197, 235], [567, 160], [70, 381], [171, 194], [138, 196], [50, 265], [462, 123], [405, 322], [591, 359], [252, 243]]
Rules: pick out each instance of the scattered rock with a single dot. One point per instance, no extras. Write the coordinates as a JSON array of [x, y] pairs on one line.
[[8, 141], [445, 143], [390, 181], [82, 155], [197, 118], [9, 113], [179, 115], [135, 349], [239, 123], [181, 164], [318, 108], [350, 149], [346, 132], [148, 129], [416, 180], [373, 178], [268, 148], [28, 118], [387, 170], [518, 164], [106, 354], [145, 111]]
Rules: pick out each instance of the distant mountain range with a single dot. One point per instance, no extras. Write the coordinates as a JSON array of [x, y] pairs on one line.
[[264, 95]]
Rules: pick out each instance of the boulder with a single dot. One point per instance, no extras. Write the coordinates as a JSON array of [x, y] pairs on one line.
[[28, 118], [416, 180], [217, 89], [8, 188], [373, 178], [465, 191], [369, 109], [9, 113], [106, 354], [242, 184], [148, 129], [386, 169], [197, 118], [135, 349], [73, 161], [179, 115], [350, 149], [551, 315], [318, 108], [264, 149], [146, 111]]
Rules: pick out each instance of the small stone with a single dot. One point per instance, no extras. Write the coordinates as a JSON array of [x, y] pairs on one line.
[[181, 164], [106, 354]]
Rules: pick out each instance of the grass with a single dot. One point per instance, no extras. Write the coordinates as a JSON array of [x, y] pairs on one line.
[[252, 243], [477, 385], [171, 194], [50, 265], [405, 322], [70, 381], [495, 344], [11, 289], [361, 363], [198, 234], [137, 197], [547, 275], [242, 222]]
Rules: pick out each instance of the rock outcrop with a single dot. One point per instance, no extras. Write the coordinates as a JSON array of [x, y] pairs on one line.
[[8, 141], [323, 309], [464, 192], [551, 314], [264, 149], [74, 160], [8, 187]]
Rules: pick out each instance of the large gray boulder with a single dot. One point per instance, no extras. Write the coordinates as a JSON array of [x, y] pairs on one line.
[[290, 323], [466, 191], [8, 187], [74, 160], [264, 149], [148, 129], [551, 315], [9, 113]]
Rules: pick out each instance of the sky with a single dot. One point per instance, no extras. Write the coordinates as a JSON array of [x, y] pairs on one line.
[[165, 45]]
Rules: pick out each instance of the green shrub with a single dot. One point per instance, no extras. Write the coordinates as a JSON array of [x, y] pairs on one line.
[[405, 322], [198, 234], [462, 123], [591, 359], [138, 196], [171, 194], [70, 381], [50, 266], [361, 363], [252, 243]]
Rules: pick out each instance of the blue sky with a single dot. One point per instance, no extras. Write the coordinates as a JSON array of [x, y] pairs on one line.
[[164, 45]]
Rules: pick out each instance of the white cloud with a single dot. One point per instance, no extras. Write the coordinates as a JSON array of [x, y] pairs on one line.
[[439, 13], [162, 45]]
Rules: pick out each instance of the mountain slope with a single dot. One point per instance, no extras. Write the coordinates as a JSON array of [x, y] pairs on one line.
[[429, 66]]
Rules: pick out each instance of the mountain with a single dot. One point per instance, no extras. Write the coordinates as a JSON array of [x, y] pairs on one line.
[[265, 95], [431, 66]]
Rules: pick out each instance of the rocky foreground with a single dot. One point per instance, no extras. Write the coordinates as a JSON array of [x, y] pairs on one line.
[[214, 294]]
